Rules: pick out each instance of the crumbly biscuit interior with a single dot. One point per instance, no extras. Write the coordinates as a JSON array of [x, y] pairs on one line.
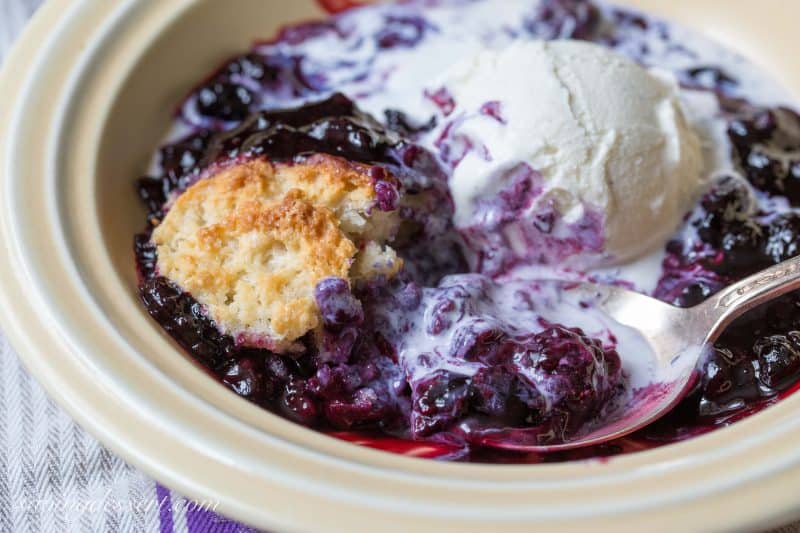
[[251, 242]]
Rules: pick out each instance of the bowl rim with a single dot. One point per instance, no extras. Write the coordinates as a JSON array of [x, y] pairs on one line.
[[70, 367]]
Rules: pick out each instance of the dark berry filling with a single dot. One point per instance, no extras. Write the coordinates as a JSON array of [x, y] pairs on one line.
[[399, 122], [350, 379], [767, 145], [564, 19], [709, 78], [225, 101], [338, 306], [402, 32], [756, 360], [333, 126], [316, 389], [573, 365]]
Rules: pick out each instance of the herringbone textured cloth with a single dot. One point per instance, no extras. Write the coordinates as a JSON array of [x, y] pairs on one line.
[[55, 478]]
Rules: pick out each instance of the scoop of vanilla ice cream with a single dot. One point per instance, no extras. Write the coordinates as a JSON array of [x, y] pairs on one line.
[[605, 138]]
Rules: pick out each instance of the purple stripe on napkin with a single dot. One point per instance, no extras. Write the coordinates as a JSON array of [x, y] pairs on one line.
[[202, 520], [164, 509]]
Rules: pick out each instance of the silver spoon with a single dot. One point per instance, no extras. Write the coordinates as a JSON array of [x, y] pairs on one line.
[[676, 336]]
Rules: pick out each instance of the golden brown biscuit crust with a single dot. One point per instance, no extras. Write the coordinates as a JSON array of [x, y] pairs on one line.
[[252, 241]]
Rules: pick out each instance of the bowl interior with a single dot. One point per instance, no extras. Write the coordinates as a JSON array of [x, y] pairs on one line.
[[176, 55]]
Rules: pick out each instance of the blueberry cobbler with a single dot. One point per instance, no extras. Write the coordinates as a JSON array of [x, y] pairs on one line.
[[369, 224]]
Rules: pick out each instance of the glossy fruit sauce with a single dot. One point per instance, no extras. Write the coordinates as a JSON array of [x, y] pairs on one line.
[[337, 87]]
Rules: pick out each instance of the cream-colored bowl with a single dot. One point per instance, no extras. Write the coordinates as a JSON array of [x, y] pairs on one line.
[[84, 99]]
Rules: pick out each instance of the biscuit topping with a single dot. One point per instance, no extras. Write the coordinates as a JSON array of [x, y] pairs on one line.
[[252, 242]]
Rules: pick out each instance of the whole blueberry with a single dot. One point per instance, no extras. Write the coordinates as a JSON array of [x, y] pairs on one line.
[[224, 101], [387, 196], [778, 359], [564, 19], [249, 65], [401, 32], [783, 238], [337, 304], [711, 78]]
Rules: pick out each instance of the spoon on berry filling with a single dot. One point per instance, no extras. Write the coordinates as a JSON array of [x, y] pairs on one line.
[[676, 337]]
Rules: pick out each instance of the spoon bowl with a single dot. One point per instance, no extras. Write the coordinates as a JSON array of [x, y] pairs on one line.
[[677, 337]]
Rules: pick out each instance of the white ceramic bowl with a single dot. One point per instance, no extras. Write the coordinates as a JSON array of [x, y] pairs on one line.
[[84, 99]]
